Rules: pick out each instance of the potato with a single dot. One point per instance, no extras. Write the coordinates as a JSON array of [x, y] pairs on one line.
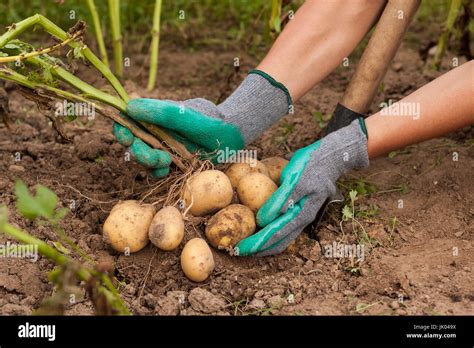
[[254, 189], [207, 192], [166, 230], [238, 170], [230, 225], [197, 261], [126, 227], [275, 166]]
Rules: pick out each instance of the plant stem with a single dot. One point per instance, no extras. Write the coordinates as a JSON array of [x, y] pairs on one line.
[[155, 42], [13, 76], [43, 248], [59, 259], [39, 52], [98, 31], [443, 40], [77, 83], [114, 14], [92, 92], [275, 19], [53, 29]]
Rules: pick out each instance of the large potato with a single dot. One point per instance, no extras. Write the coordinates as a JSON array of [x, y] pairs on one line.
[[126, 227], [275, 166], [167, 228], [238, 170], [230, 225], [254, 189], [207, 192], [197, 261]]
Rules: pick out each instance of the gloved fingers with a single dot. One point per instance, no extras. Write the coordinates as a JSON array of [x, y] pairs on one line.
[[124, 135], [292, 188], [256, 242], [149, 157], [277, 235], [201, 129], [190, 146], [298, 193], [275, 203], [160, 172]]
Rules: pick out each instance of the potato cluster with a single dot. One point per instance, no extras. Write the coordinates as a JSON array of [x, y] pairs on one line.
[[132, 224]]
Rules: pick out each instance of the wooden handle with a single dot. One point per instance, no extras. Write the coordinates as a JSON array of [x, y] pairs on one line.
[[378, 54]]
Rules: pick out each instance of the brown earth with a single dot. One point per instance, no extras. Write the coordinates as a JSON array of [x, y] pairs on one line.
[[422, 265]]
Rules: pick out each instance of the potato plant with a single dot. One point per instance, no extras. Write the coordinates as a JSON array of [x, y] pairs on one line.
[[69, 273]]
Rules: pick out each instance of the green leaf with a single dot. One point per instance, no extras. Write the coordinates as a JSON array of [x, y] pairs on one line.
[[347, 213], [77, 53], [277, 24], [41, 205], [47, 75], [61, 248], [318, 116], [392, 154], [60, 214], [11, 46], [54, 274], [353, 195]]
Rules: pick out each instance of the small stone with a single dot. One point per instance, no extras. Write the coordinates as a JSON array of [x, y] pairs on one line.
[[14, 309], [257, 303], [394, 305], [276, 301], [204, 301], [432, 51], [130, 289], [401, 311], [150, 301], [259, 294], [467, 269], [16, 168], [167, 305]]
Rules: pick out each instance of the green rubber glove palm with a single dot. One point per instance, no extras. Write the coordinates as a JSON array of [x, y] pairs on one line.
[[307, 181], [196, 123]]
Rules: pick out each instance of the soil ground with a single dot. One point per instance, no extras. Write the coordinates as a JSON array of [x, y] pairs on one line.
[[422, 264]]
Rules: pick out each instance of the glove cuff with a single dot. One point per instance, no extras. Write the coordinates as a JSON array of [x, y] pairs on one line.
[[342, 151], [258, 103]]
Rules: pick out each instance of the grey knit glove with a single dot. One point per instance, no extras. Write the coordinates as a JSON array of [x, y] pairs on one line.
[[307, 181], [204, 127]]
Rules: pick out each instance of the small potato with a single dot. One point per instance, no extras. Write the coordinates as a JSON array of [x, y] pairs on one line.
[[167, 228], [275, 166], [207, 192], [238, 170], [254, 189], [126, 227], [197, 261], [230, 225]]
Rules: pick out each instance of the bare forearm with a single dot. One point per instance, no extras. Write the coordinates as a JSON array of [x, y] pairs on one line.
[[440, 107], [315, 42]]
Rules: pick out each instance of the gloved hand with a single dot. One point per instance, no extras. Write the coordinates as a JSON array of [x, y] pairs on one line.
[[204, 127], [306, 182]]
